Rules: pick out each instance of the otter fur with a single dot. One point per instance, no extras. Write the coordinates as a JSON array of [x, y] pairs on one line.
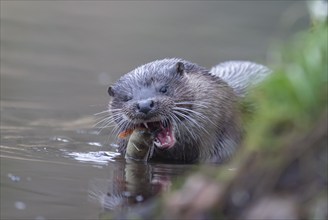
[[194, 111]]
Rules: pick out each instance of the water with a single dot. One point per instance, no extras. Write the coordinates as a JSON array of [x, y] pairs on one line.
[[57, 60]]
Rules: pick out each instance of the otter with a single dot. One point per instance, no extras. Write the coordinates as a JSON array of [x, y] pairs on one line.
[[194, 110]]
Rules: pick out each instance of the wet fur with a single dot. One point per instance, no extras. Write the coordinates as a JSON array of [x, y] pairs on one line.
[[201, 107]]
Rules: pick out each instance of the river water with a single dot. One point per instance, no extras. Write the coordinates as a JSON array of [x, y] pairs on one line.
[[57, 60]]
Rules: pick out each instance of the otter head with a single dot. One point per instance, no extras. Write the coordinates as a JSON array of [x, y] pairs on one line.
[[147, 97]]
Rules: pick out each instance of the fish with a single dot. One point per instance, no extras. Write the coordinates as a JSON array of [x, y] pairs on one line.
[[124, 134], [140, 146]]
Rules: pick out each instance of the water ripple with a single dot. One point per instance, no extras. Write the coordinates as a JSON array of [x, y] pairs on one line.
[[99, 157]]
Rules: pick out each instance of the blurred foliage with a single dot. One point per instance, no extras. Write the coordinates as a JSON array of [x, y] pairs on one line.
[[284, 158], [295, 95]]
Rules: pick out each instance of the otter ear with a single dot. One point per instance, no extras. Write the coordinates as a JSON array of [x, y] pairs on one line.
[[110, 91], [180, 68]]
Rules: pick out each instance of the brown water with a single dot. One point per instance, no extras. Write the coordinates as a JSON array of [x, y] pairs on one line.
[[57, 60]]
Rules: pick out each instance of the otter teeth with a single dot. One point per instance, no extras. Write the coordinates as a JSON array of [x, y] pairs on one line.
[[145, 124], [157, 142]]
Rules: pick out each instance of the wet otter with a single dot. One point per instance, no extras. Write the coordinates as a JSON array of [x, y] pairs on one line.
[[195, 110]]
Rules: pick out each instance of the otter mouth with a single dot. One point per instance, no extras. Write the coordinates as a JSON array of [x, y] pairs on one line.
[[164, 135]]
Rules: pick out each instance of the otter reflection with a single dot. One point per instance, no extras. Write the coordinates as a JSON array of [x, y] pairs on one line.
[[132, 183]]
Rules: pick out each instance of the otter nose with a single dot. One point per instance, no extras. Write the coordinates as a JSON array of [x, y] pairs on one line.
[[145, 106]]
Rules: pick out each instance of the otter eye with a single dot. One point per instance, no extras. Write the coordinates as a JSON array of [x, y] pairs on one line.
[[126, 98], [163, 89]]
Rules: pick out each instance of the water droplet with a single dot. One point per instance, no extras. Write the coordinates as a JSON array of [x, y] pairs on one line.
[[127, 194], [60, 139], [139, 198], [95, 144], [114, 145], [20, 205], [13, 177]]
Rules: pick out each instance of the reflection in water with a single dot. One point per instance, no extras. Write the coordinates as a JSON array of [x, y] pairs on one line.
[[132, 183]]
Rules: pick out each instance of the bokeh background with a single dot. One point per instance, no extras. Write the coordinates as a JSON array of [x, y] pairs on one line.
[[63, 55]]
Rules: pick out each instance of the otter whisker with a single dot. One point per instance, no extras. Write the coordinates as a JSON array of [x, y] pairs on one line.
[[180, 123], [193, 123], [103, 112], [174, 119], [190, 104], [106, 120], [197, 125], [185, 116], [107, 125], [117, 129], [197, 114], [192, 111], [203, 104], [102, 121]]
